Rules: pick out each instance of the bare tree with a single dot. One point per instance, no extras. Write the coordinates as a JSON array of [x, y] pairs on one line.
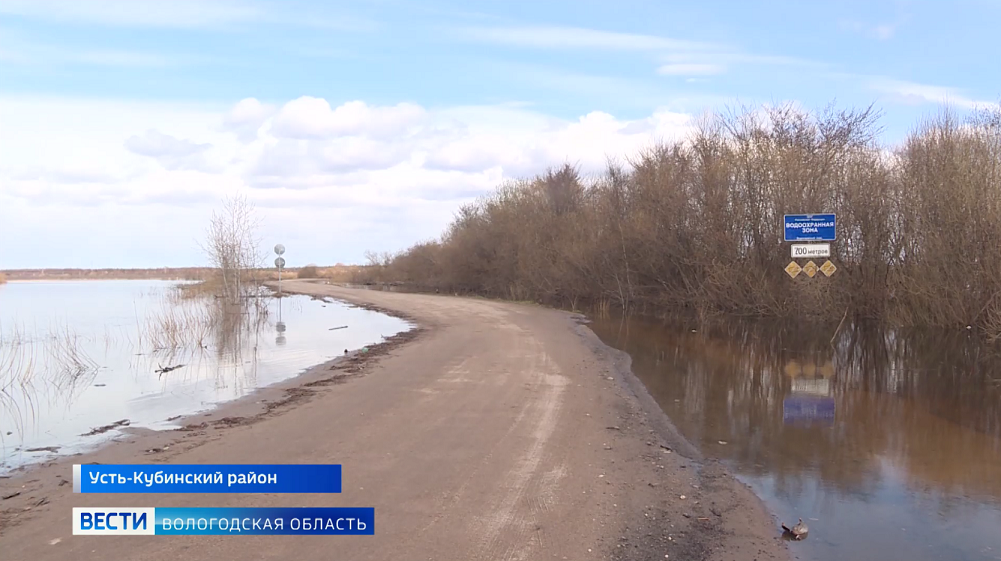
[[694, 226], [233, 246]]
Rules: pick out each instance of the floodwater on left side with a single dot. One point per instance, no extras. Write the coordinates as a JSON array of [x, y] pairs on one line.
[[82, 360]]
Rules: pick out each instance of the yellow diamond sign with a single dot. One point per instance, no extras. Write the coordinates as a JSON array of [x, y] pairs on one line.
[[793, 269], [810, 269], [828, 268]]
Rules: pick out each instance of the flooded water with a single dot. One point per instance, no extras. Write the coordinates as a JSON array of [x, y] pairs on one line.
[[75, 356], [888, 447]]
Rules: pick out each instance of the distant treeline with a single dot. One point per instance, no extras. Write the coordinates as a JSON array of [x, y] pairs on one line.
[[695, 226], [337, 272], [164, 273]]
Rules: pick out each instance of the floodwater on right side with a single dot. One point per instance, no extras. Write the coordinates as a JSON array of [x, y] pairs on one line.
[[887, 445]]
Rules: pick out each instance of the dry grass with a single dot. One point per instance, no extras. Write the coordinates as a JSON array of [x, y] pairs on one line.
[[340, 273], [3, 278], [272, 274], [694, 227], [212, 284], [336, 273]]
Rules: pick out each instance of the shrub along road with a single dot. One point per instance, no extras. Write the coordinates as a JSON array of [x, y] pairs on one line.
[[496, 431]]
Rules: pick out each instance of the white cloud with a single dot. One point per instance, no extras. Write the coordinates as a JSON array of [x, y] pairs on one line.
[[108, 57], [575, 37], [182, 14], [52, 133], [18, 49], [914, 93], [681, 57], [157, 144], [881, 31], [311, 117], [344, 176], [290, 159], [246, 117], [142, 13], [171, 152], [480, 153], [691, 69], [638, 93], [884, 31], [708, 63]]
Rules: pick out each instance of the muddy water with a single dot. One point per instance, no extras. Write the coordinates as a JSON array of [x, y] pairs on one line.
[[887, 446], [79, 356]]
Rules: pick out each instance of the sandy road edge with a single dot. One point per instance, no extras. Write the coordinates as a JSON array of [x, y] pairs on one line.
[[731, 523], [752, 533], [737, 524]]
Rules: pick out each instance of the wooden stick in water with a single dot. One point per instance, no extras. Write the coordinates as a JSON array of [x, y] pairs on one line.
[[839, 326]]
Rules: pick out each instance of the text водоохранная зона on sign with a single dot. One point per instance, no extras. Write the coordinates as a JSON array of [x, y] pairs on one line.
[[810, 227]]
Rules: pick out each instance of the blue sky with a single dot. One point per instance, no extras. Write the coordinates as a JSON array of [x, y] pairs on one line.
[[359, 126]]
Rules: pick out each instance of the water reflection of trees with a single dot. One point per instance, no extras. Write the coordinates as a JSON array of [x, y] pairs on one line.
[[924, 402]]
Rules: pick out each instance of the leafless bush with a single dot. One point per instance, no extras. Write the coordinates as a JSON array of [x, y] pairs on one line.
[[233, 246], [694, 227], [308, 272]]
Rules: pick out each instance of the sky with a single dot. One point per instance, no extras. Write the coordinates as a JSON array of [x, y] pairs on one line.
[[364, 126]]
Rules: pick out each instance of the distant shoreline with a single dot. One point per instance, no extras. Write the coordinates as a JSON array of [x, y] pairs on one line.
[[163, 273], [338, 272], [67, 279]]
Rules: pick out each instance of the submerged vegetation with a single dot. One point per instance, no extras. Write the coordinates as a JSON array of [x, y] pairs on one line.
[[33, 365], [215, 315], [185, 322], [55, 364], [694, 227]]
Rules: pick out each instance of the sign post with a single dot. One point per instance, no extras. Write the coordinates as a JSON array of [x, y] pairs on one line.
[[280, 263]]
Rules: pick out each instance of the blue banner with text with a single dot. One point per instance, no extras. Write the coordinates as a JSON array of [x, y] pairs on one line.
[[206, 478], [810, 227], [124, 521]]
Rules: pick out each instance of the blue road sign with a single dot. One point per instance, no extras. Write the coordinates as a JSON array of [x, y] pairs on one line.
[[807, 409], [810, 227]]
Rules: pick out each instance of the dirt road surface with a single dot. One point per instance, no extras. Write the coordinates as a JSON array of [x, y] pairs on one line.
[[496, 431]]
